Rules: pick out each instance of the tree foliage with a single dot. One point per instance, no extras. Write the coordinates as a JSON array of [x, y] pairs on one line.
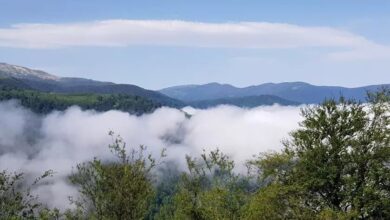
[[42, 103], [16, 200], [209, 190], [116, 190], [335, 166], [337, 163]]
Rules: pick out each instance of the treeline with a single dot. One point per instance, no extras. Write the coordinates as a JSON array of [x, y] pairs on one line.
[[42, 102], [335, 166]]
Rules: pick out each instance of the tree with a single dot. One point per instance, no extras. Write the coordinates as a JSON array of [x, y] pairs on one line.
[[210, 189], [337, 163], [116, 190], [16, 199]]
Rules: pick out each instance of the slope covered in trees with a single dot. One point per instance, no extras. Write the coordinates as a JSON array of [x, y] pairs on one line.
[[25, 78], [335, 166], [41, 102]]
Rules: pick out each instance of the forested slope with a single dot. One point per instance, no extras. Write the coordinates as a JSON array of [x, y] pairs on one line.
[[42, 102]]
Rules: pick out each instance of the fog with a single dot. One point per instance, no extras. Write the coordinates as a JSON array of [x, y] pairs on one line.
[[59, 141]]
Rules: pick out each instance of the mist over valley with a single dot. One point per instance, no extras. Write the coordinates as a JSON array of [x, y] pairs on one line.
[[195, 110]]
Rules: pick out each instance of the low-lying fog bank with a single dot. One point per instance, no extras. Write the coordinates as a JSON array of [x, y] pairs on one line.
[[58, 141]]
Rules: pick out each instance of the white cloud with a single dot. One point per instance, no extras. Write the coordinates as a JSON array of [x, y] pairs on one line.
[[120, 33], [373, 52], [60, 140]]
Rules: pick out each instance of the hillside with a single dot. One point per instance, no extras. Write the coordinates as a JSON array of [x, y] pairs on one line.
[[9, 82], [22, 78], [207, 95], [208, 91], [294, 91], [19, 72], [42, 103]]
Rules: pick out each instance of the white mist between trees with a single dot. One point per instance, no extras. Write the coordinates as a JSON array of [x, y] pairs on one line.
[[60, 140]]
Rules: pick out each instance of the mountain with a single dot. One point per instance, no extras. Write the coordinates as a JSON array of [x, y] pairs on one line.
[[202, 96], [191, 93], [294, 91], [13, 83], [43, 102], [25, 78], [19, 72], [247, 101]]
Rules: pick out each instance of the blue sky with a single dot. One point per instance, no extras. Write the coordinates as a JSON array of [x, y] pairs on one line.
[[156, 44]]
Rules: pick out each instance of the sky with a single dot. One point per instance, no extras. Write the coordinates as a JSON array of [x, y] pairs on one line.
[[157, 44]]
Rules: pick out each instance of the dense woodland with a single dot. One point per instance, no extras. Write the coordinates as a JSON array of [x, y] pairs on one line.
[[43, 102], [335, 166]]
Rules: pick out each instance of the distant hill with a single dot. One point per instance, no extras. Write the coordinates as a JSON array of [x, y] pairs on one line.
[[247, 101], [190, 93], [19, 72], [25, 78], [13, 83], [201, 96], [43, 102], [294, 91]]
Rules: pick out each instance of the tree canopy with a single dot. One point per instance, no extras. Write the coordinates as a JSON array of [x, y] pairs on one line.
[[335, 166]]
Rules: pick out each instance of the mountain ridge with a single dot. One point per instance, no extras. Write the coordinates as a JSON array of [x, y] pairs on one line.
[[209, 94], [20, 72], [301, 92], [26, 78]]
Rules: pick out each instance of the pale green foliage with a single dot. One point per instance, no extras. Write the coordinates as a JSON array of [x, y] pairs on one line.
[[210, 189], [116, 190], [336, 165], [16, 200], [270, 167], [277, 201]]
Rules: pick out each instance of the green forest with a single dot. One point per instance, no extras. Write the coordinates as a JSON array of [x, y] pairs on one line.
[[335, 166], [43, 102]]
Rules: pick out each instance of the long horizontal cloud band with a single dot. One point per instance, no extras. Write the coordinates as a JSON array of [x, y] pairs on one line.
[[121, 33], [175, 33]]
